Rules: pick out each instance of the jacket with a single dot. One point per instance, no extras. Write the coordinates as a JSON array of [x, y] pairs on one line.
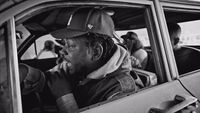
[[112, 79]]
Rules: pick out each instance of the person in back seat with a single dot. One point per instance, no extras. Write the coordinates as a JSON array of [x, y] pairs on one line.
[[187, 59], [174, 32], [50, 46], [135, 48]]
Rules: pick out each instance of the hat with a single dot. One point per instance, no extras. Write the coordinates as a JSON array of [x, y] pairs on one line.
[[130, 35], [86, 20]]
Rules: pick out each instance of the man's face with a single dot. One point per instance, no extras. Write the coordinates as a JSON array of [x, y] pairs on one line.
[[129, 43], [78, 56], [174, 38]]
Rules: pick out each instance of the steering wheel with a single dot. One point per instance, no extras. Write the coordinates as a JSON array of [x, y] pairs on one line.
[[32, 82]]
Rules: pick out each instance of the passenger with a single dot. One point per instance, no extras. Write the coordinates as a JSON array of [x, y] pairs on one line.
[[135, 48], [187, 59], [50, 46], [174, 32], [94, 69]]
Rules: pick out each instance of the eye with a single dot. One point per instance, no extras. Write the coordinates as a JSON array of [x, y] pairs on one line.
[[71, 46]]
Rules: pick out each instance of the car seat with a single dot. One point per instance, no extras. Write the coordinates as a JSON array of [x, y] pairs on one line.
[[187, 59]]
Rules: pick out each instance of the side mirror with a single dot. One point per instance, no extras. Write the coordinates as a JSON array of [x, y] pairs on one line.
[[19, 35]]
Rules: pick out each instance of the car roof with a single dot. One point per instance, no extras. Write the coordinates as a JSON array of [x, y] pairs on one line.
[[5, 4], [117, 17]]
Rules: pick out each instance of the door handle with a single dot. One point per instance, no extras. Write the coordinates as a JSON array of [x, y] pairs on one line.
[[179, 103]]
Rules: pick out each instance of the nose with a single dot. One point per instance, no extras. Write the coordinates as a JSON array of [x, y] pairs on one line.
[[63, 52]]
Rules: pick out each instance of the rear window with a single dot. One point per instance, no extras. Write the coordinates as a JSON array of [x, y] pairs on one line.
[[190, 33]]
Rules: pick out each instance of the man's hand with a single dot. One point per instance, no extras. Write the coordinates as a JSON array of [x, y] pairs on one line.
[[60, 88], [57, 82], [135, 63]]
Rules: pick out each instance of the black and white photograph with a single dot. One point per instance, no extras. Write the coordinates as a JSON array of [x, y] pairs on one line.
[[99, 56]]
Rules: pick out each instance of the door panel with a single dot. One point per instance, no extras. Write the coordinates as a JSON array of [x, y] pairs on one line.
[[143, 101], [191, 82]]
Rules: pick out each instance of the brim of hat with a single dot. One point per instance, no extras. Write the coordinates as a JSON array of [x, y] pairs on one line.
[[66, 33], [124, 36]]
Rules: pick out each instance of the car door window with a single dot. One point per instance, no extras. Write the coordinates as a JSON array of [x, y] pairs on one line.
[[35, 47], [186, 44], [127, 19], [142, 34], [190, 35], [35, 50], [140, 47]]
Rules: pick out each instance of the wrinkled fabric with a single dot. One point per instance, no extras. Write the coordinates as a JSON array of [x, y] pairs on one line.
[[120, 58], [109, 81]]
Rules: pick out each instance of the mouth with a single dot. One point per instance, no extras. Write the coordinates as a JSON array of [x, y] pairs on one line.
[[66, 66], [69, 64]]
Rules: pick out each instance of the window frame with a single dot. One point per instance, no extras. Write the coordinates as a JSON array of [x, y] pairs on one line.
[[13, 69], [27, 7]]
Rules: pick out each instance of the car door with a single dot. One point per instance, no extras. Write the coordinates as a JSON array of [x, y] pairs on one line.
[[189, 23], [167, 95]]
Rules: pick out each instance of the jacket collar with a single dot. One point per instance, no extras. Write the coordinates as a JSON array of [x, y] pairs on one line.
[[119, 58]]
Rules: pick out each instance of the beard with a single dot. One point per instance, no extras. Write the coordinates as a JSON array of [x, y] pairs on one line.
[[79, 74]]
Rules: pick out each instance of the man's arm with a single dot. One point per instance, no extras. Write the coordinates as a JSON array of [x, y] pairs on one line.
[[67, 104], [61, 89]]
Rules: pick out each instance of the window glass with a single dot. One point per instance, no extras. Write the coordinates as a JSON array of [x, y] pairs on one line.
[[184, 34], [35, 50], [190, 33], [140, 48], [40, 45], [5, 99], [21, 34], [142, 34], [30, 53]]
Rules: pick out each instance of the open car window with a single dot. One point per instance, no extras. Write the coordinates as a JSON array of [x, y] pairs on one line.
[[190, 35], [142, 34], [187, 49], [35, 50], [126, 19]]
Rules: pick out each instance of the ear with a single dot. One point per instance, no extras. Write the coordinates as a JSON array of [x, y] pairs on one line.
[[97, 52]]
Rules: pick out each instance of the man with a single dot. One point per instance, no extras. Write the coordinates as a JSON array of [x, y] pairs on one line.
[[94, 67], [187, 58], [174, 32], [49, 45]]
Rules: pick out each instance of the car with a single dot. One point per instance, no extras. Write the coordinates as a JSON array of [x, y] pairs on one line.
[[25, 26]]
